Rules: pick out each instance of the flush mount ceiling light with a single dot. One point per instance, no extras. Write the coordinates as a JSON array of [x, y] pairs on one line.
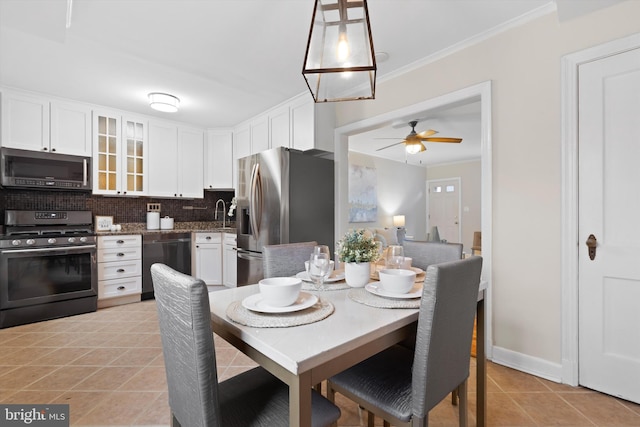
[[163, 102], [339, 64]]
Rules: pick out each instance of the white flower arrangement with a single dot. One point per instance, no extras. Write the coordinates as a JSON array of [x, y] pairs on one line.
[[232, 207]]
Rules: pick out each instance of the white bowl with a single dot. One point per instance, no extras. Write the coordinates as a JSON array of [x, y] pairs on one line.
[[280, 291], [397, 281]]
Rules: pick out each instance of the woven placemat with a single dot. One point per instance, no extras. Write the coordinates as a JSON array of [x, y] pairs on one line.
[[334, 286], [365, 297], [320, 310]]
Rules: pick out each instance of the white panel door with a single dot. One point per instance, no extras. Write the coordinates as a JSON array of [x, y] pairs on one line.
[[609, 202], [444, 209]]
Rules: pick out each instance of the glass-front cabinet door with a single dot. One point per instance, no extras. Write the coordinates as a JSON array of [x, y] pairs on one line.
[[135, 156], [119, 154]]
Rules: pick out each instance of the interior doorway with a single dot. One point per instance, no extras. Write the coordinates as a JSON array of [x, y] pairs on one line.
[[480, 92]]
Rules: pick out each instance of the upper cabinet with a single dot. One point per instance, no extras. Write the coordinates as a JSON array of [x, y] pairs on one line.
[[176, 162], [120, 154], [299, 123], [32, 122], [219, 166]]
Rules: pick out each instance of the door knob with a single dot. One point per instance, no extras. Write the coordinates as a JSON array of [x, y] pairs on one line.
[[592, 243]]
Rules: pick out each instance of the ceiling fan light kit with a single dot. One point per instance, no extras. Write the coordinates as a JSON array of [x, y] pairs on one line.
[[339, 63]]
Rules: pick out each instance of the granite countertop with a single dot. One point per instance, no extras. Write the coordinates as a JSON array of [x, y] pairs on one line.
[[179, 227]]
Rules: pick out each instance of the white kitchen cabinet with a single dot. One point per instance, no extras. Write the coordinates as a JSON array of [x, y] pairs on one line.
[[120, 154], [207, 257], [176, 161], [312, 125], [36, 123], [119, 269], [230, 261], [242, 142], [260, 134], [191, 162], [70, 128], [279, 127], [219, 166]]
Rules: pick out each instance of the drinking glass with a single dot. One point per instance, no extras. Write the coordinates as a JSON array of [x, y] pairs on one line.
[[324, 249], [395, 256], [318, 269]]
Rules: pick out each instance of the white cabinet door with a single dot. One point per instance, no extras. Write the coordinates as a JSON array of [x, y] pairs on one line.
[[230, 258], [259, 134], [242, 142], [191, 162], [107, 153], [25, 121], [135, 156], [163, 163], [219, 165], [70, 128], [279, 127], [302, 125], [209, 263]]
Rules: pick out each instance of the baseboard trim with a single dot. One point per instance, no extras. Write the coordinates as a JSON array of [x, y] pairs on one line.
[[528, 364]]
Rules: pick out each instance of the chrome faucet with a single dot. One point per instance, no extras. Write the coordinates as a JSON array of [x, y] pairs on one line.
[[224, 211]]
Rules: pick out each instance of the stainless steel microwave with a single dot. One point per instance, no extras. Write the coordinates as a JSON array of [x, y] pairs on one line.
[[38, 170]]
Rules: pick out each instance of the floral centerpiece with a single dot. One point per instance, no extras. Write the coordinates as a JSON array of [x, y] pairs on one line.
[[357, 251]]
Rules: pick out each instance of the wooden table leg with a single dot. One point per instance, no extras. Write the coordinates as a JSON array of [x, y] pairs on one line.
[[300, 400], [481, 367]]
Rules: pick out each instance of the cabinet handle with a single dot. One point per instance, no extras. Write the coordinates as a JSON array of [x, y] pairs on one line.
[[53, 149], [121, 288], [120, 270], [120, 242], [44, 148], [120, 254], [208, 237]]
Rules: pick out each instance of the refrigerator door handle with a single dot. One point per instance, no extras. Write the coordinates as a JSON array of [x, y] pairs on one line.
[[255, 200]]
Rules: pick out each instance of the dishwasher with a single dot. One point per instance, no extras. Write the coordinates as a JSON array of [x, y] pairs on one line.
[[172, 249]]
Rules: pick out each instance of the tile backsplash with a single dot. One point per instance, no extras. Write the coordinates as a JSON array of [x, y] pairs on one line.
[[123, 209]]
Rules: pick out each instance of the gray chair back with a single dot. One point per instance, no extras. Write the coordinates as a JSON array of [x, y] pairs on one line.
[[424, 254], [187, 345], [445, 328], [286, 259]]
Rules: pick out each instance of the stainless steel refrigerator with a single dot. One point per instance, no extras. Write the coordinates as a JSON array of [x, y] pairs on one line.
[[284, 196]]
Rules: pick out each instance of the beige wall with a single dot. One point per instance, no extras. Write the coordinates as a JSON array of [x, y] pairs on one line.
[[524, 66], [401, 191], [469, 174]]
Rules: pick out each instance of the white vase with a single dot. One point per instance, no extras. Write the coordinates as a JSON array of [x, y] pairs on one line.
[[357, 274]]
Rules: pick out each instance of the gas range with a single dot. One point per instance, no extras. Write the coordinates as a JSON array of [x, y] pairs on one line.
[[45, 229]]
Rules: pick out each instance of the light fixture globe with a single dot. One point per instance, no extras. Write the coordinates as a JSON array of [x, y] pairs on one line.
[[414, 147], [163, 102]]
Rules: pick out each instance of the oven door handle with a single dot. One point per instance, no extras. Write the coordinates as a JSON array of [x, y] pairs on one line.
[[68, 249]]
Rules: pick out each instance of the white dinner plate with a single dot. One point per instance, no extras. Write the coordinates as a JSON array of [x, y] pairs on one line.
[[256, 303], [336, 276], [415, 292]]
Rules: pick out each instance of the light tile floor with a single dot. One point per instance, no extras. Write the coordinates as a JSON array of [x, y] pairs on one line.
[[108, 366]]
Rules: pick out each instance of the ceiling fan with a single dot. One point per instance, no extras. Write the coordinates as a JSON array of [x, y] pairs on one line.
[[413, 141]]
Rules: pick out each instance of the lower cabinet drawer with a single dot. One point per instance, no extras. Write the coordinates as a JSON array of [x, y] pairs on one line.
[[119, 270], [119, 287]]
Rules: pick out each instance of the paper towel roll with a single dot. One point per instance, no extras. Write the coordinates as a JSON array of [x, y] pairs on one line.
[[153, 220]]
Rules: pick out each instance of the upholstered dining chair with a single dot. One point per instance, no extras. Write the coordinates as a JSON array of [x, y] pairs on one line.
[[424, 254], [196, 398], [286, 259], [402, 386]]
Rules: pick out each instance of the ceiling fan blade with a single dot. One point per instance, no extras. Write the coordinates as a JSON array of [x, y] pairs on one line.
[[389, 146], [389, 138], [427, 133], [440, 139]]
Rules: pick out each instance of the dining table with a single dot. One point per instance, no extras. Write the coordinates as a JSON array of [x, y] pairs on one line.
[[303, 356]]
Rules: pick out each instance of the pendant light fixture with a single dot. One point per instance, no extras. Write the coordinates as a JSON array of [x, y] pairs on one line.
[[163, 102], [339, 64]]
